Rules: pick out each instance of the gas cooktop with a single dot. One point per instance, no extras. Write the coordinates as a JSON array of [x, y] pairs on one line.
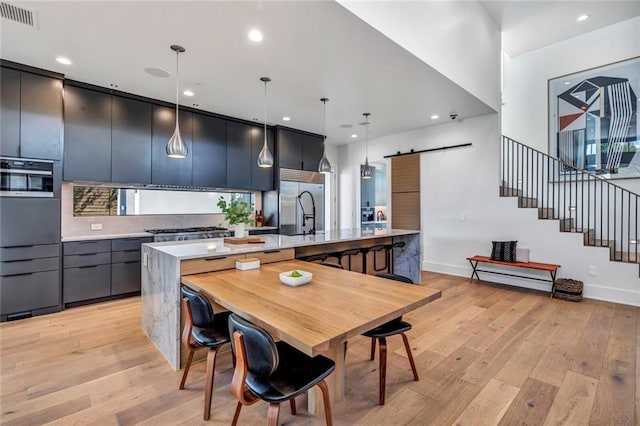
[[185, 230]]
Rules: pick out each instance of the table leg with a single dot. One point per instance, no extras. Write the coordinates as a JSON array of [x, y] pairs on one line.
[[474, 272], [335, 381], [553, 284]]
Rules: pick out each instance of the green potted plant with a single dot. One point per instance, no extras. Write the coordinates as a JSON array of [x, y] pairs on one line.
[[237, 213]]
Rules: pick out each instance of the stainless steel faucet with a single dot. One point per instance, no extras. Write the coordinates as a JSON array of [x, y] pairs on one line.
[[305, 216]]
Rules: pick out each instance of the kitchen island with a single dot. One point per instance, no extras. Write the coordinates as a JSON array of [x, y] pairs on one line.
[[164, 263]]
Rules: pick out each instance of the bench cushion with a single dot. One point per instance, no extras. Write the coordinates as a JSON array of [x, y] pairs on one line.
[[504, 251]]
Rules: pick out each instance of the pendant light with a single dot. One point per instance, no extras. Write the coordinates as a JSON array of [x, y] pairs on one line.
[[265, 158], [324, 166], [367, 170], [176, 147]]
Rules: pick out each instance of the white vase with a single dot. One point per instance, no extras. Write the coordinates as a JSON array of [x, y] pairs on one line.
[[238, 231]]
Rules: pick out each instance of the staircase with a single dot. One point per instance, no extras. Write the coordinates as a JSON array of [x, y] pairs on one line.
[[606, 214]]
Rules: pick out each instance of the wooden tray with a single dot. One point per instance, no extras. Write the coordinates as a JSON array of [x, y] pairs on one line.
[[244, 240]]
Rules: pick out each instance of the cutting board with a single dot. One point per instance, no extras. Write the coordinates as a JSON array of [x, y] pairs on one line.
[[244, 240]]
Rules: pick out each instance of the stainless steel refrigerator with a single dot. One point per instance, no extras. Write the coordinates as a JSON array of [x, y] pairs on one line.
[[300, 191]]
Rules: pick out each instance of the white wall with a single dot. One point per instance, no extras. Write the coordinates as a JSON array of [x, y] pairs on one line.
[[462, 212], [458, 39], [525, 110]]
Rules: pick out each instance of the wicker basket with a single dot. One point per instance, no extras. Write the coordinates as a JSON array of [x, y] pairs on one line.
[[566, 288]]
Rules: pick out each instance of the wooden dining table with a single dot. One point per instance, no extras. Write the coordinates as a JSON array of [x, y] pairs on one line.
[[316, 318]]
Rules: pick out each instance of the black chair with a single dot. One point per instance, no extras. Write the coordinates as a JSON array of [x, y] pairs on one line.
[[332, 265], [380, 334], [273, 372], [202, 329], [317, 258]]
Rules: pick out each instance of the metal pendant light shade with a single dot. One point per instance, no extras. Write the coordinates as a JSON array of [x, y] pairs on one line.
[[367, 170], [324, 166], [176, 148], [265, 158]]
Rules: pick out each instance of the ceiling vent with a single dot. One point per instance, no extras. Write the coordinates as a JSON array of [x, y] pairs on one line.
[[18, 14]]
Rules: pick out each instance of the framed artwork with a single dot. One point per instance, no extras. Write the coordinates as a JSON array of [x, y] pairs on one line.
[[593, 120]]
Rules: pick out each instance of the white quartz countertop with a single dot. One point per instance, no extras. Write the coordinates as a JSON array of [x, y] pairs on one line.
[[107, 236], [193, 249]]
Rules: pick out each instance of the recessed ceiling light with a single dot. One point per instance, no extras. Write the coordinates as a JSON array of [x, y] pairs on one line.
[[188, 93], [63, 60], [354, 136], [435, 116], [582, 18], [156, 72], [255, 35], [196, 105], [115, 86], [285, 118], [567, 83]]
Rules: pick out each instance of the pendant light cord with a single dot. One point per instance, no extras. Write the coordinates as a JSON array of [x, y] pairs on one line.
[[177, 85], [265, 113], [324, 125]]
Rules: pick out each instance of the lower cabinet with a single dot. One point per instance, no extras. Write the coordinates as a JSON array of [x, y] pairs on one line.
[[101, 268], [29, 281]]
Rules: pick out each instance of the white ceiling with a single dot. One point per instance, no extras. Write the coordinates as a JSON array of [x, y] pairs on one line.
[[310, 50], [530, 25]]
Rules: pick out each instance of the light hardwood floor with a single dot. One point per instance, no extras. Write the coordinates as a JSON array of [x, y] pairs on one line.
[[486, 354]]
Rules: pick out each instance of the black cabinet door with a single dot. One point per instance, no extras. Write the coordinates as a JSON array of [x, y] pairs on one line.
[[27, 292], [87, 135], [40, 117], [9, 112], [125, 277], [166, 170], [238, 155], [261, 177], [209, 151], [29, 221], [289, 149], [130, 141], [312, 149]]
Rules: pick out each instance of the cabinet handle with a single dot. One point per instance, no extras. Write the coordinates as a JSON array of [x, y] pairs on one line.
[[18, 246], [271, 251], [87, 267], [215, 258], [130, 251], [131, 261], [88, 254], [17, 260], [18, 275], [87, 242]]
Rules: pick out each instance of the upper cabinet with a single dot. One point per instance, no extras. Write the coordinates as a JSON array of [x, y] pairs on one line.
[[262, 178], [87, 135], [209, 151], [130, 140], [299, 151], [239, 155], [166, 170], [31, 115]]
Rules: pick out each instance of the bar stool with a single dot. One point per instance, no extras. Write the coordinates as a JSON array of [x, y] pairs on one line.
[[340, 254], [389, 248], [376, 248], [317, 258]]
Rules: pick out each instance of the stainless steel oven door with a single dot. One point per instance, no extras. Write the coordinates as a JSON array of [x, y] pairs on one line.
[[26, 178]]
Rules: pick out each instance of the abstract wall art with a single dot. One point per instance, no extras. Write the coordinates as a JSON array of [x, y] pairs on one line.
[[593, 120]]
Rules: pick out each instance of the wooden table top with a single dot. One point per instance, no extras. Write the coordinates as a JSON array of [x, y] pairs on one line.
[[315, 317]]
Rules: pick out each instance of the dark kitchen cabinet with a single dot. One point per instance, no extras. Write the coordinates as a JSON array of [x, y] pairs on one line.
[[31, 115], [299, 151], [130, 140], [87, 135], [289, 149], [40, 117], [209, 151], [10, 112], [262, 178], [166, 170], [312, 149], [239, 155], [29, 221]]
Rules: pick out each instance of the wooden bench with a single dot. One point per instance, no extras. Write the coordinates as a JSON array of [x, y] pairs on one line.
[[549, 267]]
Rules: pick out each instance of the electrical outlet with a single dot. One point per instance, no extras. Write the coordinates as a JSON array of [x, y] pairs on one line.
[[593, 270], [96, 226], [145, 259]]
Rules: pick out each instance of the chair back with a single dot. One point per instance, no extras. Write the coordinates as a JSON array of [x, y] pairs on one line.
[[261, 352], [201, 309], [332, 265], [396, 277]]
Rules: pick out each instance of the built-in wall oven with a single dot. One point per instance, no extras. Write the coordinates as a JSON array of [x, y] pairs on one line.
[[21, 177]]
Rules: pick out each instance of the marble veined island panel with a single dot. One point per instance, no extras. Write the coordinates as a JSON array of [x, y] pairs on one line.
[[161, 264]]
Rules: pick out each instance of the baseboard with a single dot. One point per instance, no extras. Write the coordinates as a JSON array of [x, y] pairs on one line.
[[607, 294]]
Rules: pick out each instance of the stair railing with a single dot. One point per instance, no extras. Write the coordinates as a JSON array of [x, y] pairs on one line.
[[582, 201]]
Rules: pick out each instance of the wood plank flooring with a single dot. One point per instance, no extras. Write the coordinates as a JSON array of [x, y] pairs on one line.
[[486, 355]]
